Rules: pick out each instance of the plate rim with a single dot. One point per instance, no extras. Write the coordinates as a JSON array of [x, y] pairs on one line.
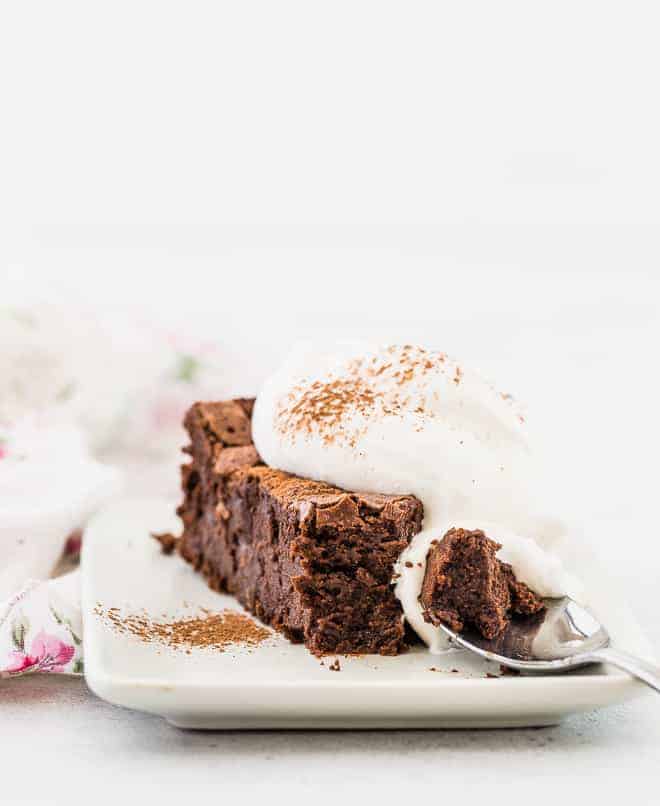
[[603, 689]]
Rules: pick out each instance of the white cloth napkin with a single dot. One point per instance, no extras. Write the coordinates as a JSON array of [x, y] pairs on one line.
[[75, 387], [49, 486]]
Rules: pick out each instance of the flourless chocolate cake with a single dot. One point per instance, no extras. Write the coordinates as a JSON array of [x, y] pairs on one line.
[[465, 583], [317, 562], [311, 560]]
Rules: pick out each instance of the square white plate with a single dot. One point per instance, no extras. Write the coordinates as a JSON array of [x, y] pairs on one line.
[[279, 684]]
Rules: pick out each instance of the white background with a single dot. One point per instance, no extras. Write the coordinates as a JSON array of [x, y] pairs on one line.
[[480, 176]]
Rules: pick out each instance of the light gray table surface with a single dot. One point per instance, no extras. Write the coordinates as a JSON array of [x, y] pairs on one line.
[[61, 744]]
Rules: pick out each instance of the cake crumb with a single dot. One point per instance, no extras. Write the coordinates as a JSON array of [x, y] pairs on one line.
[[335, 667], [168, 542], [509, 670]]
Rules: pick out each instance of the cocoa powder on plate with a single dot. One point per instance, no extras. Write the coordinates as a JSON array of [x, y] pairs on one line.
[[209, 630]]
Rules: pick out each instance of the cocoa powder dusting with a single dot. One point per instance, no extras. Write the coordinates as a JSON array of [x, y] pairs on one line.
[[368, 389], [209, 630], [340, 407]]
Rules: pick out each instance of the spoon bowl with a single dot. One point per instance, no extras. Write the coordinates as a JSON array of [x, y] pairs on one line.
[[564, 636]]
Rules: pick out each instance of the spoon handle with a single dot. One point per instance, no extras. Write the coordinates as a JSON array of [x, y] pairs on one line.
[[641, 669]]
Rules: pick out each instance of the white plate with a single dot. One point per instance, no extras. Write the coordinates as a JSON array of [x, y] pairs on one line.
[[279, 684]]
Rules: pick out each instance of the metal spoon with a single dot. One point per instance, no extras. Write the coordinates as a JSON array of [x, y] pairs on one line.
[[564, 636]]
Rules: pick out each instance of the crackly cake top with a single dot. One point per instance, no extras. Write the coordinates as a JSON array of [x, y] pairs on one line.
[[228, 449]]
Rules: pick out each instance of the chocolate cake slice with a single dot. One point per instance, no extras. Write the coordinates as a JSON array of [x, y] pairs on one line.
[[311, 560], [465, 583]]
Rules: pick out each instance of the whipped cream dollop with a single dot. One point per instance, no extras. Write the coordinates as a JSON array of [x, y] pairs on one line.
[[407, 420]]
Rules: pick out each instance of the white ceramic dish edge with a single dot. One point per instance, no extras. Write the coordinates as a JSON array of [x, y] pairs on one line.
[[280, 685]]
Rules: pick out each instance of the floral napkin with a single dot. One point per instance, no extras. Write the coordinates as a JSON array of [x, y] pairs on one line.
[[88, 405], [41, 628]]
